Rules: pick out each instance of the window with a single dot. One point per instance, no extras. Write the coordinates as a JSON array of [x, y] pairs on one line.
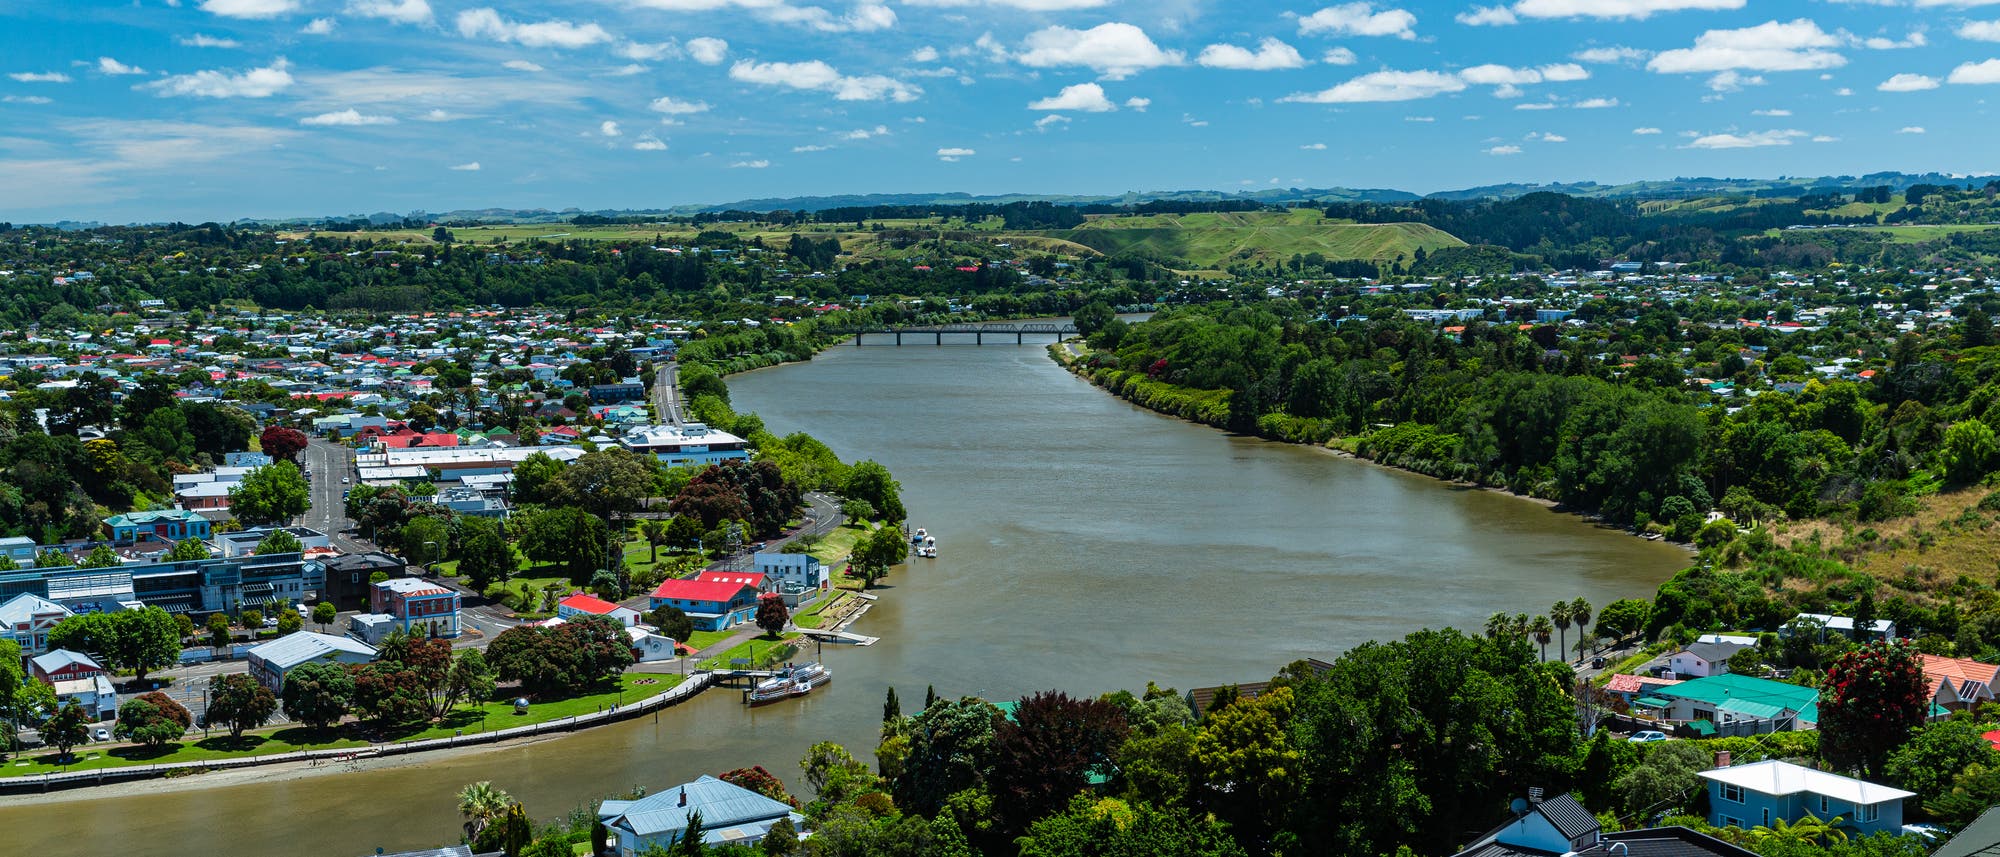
[[1869, 812], [1726, 821], [1822, 806], [1767, 818], [1732, 792]]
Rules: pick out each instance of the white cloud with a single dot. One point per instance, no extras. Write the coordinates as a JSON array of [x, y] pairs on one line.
[[1732, 80], [1878, 43], [1504, 150], [1548, 138], [1614, 53], [676, 107], [399, 11], [255, 83], [815, 147], [1911, 129], [469, 167], [954, 153], [708, 51], [1796, 45], [1486, 16], [866, 133], [1087, 97], [26, 99], [524, 65], [1823, 138], [1114, 50], [1492, 74], [1359, 19], [1138, 104], [1643, 132], [1979, 72], [1024, 5], [1752, 140], [750, 165], [1053, 119], [608, 128], [1980, 31], [649, 143], [818, 76], [347, 117], [1271, 55], [249, 8], [107, 65], [1637, 9], [1384, 86], [1907, 82], [318, 27], [648, 51], [1843, 92], [1775, 112], [1420, 119], [1595, 103], [1536, 105], [40, 77], [484, 23], [1314, 147], [924, 54], [199, 40], [1338, 56]]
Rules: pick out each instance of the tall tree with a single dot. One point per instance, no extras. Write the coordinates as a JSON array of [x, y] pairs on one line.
[[1559, 613], [283, 444], [1871, 699], [318, 693], [279, 541], [1046, 752], [152, 719], [771, 613], [484, 557], [239, 701], [274, 493], [1579, 612], [66, 727], [480, 803]]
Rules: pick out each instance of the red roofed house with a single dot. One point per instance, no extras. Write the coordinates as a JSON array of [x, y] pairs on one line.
[[713, 604], [587, 605], [1959, 683]]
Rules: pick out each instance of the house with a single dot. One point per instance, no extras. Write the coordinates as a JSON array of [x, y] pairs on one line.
[[648, 647], [714, 605], [1629, 688], [1956, 683], [1755, 795], [623, 391], [20, 549], [370, 628], [1561, 826], [76, 677], [689, 444], [788, 570], [1703, 659], [27, 619], [63, 665], [586, 605], [1980, 837], [272, 661], [1730, 704], [730, 815], [170, 524], [419, 607], [347, 576], [1879, 629]]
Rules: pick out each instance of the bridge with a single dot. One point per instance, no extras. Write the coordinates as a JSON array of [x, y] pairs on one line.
[[1057, 330]]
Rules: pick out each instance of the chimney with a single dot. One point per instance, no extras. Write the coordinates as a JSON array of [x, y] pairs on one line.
[[684, 797], [1722, 758], [1534, 794]]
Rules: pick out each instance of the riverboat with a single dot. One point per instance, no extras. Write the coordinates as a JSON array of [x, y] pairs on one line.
[[918, 537], [789, 682]]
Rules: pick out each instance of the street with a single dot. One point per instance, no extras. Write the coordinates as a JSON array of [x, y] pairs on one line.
[[666, 393], [330, 463]]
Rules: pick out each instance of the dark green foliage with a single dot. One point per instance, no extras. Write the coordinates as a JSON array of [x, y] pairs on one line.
[[560, 661]]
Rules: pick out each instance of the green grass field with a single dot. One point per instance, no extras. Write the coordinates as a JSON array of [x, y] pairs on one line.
[[1217, 240]]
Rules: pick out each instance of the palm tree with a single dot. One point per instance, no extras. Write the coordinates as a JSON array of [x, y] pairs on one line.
[[655, 534], [1807, 831], [1519, 627], [1579, 612], [1496, 624], [481, 803], [1559, 614], [1542, 630]]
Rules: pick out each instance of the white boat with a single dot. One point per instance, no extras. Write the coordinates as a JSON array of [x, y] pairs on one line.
[[927, 552], [789, 682], [919, 536]]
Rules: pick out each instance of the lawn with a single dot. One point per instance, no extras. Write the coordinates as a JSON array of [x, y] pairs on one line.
[[493, 715], [810, 617], [759, 649], [839, 543], [701, 640]]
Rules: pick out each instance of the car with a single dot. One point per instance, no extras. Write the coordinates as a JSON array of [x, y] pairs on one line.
[[270, 621], [345, 480], [1647, 737], [1597, 663], [100, 734]]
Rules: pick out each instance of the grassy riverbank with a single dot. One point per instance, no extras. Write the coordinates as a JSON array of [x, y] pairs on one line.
[[468, 719]]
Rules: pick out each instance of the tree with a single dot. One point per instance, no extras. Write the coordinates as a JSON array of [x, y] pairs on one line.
[[951, 749], [253, 619], [1559, 615], [781, 840], [218, 630], [1046, 752], [758, 780], [274, 493], [324, 613], [567, 536], [290, 622], [279, 541], [186, 550], [1104, 827], [655, 534], [137, 640], [689, 843], [1864, 617], [1579, 612], [1929, 761], [152, 719], [1970, 451], [471, 679], [1540, 629], [1092, 317], [283, 444], [1871, 699], [683, 533], [484, 556], [673, 623], [67, 727], [510, 832], [876, 552], [387, 694], [1978, 328], [870, 482], [1747, 661], [424, 539], [857, 511], [101, 556], [318, 693], [480, 803], [239, 701], [91, 633], [51, 558], [892, 708], [1623, 617], [771, 613], [538, 480], [560, 661]]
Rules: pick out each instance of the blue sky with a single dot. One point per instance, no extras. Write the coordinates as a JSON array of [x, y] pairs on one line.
[[217, 109]]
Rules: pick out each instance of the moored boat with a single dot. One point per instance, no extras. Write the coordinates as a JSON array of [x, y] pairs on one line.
[[789, 682]]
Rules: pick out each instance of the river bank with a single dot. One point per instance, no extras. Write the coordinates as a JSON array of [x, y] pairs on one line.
[[1070, 355]]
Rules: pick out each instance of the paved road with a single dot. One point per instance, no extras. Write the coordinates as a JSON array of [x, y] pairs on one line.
[[666, 393], [330, 463]]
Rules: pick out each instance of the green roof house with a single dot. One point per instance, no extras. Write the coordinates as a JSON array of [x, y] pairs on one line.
[[1732, 704]]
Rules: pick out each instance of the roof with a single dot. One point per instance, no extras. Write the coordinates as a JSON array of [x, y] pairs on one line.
[[1664, 842], [1623, 683], [589, 604], [699, 590], [410, 587], [1729, 687], [1959, 670], [52, 661], [1569, 817], [1774, 777], [722, 805], [303, 646], [1714, 652], [752, 579], [26, 606], [1981, 838]]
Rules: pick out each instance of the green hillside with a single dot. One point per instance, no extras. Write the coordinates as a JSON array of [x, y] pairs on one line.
[[1219, 240]]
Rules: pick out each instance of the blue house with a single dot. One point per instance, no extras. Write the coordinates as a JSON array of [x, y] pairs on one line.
[[170, 524], [713, 601], [730, 814], [1755, 795]]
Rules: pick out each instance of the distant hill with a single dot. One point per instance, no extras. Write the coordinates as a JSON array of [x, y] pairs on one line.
[[1214, 241]]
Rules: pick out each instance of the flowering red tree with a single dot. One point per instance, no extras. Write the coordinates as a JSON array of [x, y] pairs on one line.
[[1869, 702], [283, 444], [761, 781]]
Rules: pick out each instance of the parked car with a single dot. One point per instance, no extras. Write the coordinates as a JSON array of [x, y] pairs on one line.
[[270, 621], [1647, 737], [100, 734], [1597, 663]]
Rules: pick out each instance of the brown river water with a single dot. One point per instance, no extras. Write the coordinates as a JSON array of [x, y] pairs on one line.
[[1085, 544]]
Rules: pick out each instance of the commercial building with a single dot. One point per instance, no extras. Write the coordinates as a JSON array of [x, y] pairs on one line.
[[170, 524], [451, 464], [586, 605], [1731, 704], [245, 542], [687, 444], [272, 661], [27, 619], [712, 604], [196, 586], [419, 607]]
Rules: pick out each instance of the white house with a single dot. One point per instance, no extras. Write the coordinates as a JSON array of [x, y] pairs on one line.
[[586, 605], [648, 647], [797, 576], [1880, 629], [1703, 659], [27, 620]]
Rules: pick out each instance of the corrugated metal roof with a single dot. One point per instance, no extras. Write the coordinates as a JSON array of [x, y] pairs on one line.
[[722, 805]]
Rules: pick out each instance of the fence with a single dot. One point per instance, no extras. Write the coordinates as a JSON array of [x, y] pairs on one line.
[[47, 782]]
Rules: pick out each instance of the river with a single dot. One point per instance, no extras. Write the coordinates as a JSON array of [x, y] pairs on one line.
[[1086, 545]]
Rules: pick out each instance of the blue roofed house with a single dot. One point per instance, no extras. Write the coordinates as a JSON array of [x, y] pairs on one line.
[[170, 524], [1754, 795], [730, 814]]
